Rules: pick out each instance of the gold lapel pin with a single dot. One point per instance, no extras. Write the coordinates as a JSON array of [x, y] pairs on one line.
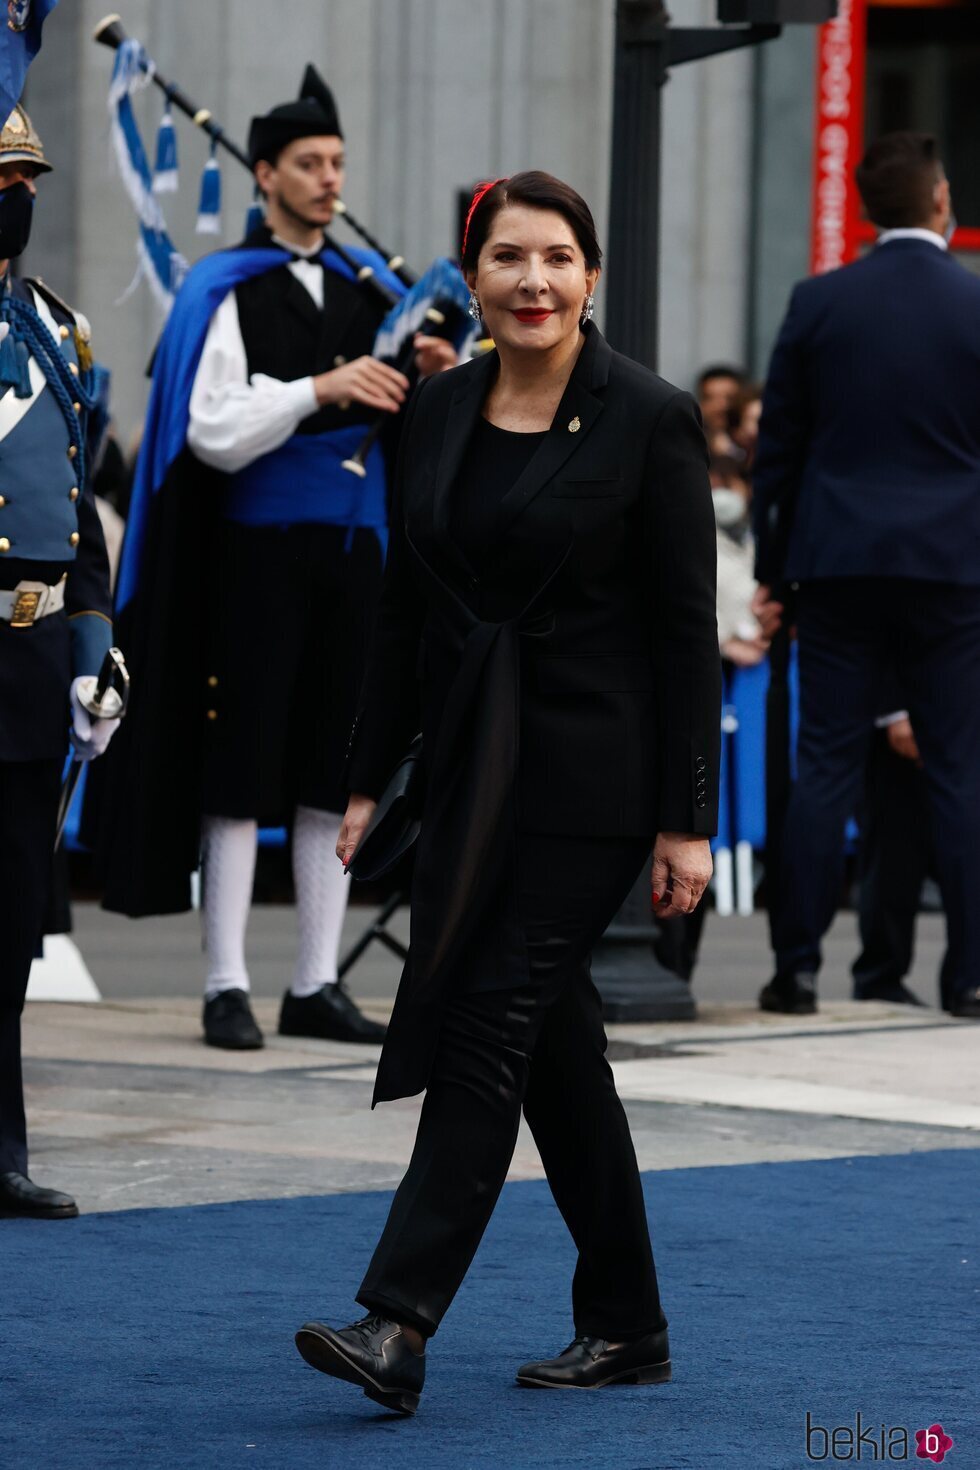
[[575, 425]]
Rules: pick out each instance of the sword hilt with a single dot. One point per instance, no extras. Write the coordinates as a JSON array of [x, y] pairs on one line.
[[111, 694]]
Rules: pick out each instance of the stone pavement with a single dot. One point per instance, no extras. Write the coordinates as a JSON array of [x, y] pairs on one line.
[[128, 1109]]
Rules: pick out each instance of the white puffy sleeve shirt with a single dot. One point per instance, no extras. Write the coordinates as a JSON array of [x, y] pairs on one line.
[[235, 419]]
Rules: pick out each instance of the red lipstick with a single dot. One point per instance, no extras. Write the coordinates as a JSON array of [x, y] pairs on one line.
[[533, 314]]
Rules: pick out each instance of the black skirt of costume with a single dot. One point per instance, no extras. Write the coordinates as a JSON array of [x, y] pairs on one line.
[[288, 636]]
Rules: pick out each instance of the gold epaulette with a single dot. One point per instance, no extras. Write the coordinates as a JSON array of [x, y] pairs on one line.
[[81, 331]]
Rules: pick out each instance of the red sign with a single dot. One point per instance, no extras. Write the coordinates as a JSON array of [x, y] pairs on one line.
[[839, 141]]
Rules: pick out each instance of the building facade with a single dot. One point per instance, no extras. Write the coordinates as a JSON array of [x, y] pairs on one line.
[[437, 94]]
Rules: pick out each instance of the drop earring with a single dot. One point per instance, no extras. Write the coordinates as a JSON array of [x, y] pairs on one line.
[[474, 307], [588, 310]]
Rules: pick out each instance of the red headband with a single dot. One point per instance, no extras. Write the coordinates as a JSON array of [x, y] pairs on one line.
[[481, 189]]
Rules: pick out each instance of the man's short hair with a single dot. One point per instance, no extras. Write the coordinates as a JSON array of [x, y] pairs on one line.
[[896, 179], [719, 370]]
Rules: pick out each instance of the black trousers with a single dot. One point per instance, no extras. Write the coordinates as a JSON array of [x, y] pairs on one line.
[[540, 1046], [896, 856], [28, 812], [852, 633]]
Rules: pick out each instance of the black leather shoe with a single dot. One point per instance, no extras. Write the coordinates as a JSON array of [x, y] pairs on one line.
[[372, 1353], [592, 1362], [228, 1022], [19, 1197], [966, 1003], [329, 1014], [791, 995], [895, 994]]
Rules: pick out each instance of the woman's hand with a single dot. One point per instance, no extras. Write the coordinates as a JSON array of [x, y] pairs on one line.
[[767, 610], [745, 653], [360, 810], [681, 870]]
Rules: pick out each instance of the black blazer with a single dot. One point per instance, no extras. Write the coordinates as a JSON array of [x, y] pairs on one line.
[[869, 446], [605, 553]]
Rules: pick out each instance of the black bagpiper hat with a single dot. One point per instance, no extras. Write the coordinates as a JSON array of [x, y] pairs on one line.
[[313, 115]]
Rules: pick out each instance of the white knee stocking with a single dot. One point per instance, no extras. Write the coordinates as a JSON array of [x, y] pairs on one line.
[[321, 898], [229, 848]]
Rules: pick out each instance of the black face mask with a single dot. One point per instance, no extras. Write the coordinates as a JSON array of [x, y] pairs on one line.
[[16, 215]]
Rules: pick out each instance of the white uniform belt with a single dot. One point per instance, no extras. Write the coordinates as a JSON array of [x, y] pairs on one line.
[[31, 600]]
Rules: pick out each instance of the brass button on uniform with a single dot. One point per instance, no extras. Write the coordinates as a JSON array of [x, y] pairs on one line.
[[73, 369], [72, 452], [64, 333], [77, 407], [3, 501], [73, 493], [4, 544], [74, 539], [212, 714], [212, 681]]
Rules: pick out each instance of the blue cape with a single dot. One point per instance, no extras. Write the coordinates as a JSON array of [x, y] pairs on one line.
[[175, 367]]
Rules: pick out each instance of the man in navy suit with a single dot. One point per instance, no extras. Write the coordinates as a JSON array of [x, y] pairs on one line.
[[867, 505]]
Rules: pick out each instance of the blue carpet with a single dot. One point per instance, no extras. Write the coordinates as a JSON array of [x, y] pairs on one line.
[[162, 1338]]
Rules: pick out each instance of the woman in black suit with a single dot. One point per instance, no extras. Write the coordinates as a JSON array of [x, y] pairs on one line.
[[548, 620]]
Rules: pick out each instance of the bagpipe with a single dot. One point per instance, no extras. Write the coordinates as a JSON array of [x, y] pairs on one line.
[[434, 303]]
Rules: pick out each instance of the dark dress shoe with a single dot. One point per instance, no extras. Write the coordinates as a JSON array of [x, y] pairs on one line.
[[229, 1023], [790, 995], [19, 1197], [895, 994], [328, 1014], [592, 1362], [966, 1003], [372, 1353]]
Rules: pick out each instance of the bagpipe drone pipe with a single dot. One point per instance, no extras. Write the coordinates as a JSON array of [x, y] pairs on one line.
[[435, 304]]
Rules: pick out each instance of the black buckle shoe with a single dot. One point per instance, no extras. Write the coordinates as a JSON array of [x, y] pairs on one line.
[[229, 1023], [591, 1362], [328, 1014], [790, 995], [966, 1004], [21, 1198], [895, 993], [373, 1354]]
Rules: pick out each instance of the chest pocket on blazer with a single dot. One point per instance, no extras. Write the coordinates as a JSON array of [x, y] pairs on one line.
[[586, 487]]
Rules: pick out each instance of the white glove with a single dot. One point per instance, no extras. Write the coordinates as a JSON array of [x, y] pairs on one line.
[[89, 737]]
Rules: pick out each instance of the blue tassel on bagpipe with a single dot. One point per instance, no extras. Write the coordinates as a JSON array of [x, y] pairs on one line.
[[165, 169], [256, 214], [209, 209]]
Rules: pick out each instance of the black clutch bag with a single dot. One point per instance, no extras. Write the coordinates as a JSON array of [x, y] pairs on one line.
[[396, 821]]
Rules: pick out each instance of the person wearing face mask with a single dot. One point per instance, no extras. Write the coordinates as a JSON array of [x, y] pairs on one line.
[[741, 642], [55, 624], [867, 502], [739, 632], [548, 618]]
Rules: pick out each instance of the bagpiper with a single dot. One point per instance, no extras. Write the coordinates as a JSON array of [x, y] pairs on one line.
[[250, 576]]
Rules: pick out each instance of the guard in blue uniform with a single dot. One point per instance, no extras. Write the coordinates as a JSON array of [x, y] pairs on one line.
[[54, 619]]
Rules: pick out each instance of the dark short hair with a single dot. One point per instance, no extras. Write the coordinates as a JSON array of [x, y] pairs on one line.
[[726, 467], [719, 370], [896, 178], [539, 191], [747, 393]]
